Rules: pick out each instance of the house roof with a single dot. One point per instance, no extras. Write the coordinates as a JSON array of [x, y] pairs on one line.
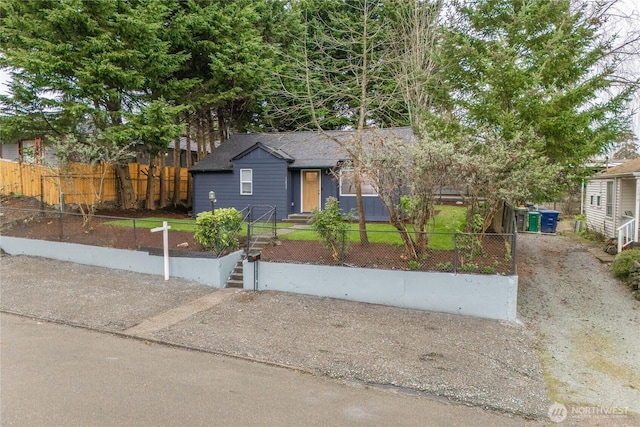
[[194, 145], [629, 167], [301, 149], [273, 151]]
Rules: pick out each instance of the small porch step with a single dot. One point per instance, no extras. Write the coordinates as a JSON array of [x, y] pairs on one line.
[[300, 218]]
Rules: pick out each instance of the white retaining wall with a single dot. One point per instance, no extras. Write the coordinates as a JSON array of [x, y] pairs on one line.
[[493, 297], [210, 271]]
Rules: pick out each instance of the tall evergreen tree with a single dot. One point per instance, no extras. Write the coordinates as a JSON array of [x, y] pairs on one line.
[[538, 67], [78, 66]]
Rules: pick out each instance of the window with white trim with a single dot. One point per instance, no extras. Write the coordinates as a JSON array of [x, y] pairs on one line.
[[246, 182], [347, 184], [610, 198], [592, 196]]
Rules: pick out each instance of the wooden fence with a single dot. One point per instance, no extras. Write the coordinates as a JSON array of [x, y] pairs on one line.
[[80, 184]]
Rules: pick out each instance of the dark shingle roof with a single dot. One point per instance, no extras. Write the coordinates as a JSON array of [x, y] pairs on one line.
[[302, 149]]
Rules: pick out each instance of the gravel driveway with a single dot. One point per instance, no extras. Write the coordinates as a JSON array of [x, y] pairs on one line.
[[588, 323]]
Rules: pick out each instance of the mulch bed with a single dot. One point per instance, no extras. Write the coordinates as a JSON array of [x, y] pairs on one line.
[[386, 256], [69, 228]]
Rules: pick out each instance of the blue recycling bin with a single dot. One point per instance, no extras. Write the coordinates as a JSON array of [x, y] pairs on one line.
[[548, 221]]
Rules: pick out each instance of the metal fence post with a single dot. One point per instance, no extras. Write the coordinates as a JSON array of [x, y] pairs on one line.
[[61, 213], [275, 227], [41, 195], [344, 246], [135, 237], [513, 254], [455, 253], [248, 236]]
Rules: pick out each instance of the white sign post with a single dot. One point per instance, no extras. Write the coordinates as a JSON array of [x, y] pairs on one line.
[[165, 243]]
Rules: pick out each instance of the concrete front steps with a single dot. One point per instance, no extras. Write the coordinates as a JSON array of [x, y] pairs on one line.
[[301, 218], [236, 278]]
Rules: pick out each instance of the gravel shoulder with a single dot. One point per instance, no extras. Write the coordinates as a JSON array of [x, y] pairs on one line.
[[479, 362], [577, 343], [588, 323]]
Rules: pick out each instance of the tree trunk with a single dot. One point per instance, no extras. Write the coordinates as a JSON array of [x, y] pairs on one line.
[[163, 181], [362, 222], [176, 171], [188, 161], [200, 136], [221, 126], [125, 187], [150, 202], [211, 131]]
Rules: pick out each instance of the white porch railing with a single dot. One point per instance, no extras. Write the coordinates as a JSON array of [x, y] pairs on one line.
[[626, 234]]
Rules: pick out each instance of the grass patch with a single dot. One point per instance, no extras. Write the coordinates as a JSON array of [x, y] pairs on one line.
[[449, 220]]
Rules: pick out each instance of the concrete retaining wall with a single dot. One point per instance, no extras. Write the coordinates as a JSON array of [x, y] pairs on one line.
[[493, 297], [210, 271]]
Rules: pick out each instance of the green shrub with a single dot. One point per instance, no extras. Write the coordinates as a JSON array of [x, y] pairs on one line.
[[331, 225], [414, 265], [218, 231], [623, 262]]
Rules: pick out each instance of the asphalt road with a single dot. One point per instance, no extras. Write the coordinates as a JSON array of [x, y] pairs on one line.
[[54, 375]]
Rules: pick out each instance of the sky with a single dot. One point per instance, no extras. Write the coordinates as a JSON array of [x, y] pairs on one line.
[[626, 7]]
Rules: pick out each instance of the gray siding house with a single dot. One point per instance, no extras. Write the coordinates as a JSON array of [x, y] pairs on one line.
[[294, 172]]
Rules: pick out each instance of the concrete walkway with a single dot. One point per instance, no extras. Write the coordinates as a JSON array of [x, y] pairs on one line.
[[148, 327]]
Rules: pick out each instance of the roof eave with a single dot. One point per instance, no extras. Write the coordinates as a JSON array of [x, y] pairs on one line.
[[616, 175]]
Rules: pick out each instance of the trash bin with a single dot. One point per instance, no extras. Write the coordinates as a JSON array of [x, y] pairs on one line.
[[521, 218], [548, 221], [534, 219]]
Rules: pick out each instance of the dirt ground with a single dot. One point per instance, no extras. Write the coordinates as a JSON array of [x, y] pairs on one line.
[[19, 220]]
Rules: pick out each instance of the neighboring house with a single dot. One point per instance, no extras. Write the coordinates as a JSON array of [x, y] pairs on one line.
[[612, 200], [294, 172], [28, 151], [143, 157]]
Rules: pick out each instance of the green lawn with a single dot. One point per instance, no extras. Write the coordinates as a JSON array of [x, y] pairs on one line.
[[449, 220]]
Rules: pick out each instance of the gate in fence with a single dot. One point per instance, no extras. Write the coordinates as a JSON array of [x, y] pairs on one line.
[[261, 226]]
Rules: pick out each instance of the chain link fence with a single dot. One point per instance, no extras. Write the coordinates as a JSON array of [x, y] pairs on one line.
[[445, 252], [101, 230]]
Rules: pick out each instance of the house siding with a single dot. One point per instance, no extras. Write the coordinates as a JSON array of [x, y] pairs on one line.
[[374, 210], [10, 152], [269, 178], [596, 216], [222, 183], [295, 191]]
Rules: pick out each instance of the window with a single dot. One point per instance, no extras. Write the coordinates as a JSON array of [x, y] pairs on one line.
[[592, 200], [246, 182], [347, 184], [609, 198], [598, 201]]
